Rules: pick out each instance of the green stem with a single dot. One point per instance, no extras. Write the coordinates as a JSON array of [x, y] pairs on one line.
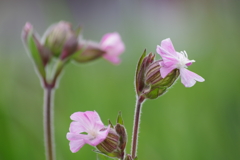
[[48, 123]]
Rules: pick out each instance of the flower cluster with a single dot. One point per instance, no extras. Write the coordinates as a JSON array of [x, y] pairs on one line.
[[153, 78], [60, 44]]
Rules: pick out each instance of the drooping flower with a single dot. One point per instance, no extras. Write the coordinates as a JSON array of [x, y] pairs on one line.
[[112, 44], [86, 127], [176, 60]]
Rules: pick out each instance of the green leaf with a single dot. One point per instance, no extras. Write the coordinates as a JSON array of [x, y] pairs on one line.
[[119, 118], [35, 54]]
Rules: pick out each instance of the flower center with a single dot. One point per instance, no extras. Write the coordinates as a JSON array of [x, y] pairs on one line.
[[93, 134], [183, 61]]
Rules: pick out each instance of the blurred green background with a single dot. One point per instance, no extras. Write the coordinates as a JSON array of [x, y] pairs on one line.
[[198, 123]]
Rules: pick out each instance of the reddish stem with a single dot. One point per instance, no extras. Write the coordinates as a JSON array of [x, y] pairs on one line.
[[136, 126]]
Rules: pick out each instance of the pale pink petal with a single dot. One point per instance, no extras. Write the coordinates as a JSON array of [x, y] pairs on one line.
[[112, 44], [164, 71], [189, 78], [189, 63], [168, 46], [113, 59], [75, 136], [76, 127], [76, 141], [108, 39], [76, 145], [99, 138], [82, 118], [168, 58], [93, 117]]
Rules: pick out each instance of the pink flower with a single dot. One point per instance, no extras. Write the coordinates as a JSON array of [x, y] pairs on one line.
[[112, 44], [172, 60], [86, 128]]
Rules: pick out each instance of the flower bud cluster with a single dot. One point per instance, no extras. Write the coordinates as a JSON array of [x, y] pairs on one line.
[[61, 44]]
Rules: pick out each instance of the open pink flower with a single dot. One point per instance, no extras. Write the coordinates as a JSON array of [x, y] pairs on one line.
[[112, 44], [86, 128], [172, 60]]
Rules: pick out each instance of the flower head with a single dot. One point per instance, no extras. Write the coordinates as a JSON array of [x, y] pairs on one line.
[[112, 44], [86, 128], [148, 81], [176, 60]]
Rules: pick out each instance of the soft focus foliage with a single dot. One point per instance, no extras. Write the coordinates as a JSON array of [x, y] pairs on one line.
[[202, 122]]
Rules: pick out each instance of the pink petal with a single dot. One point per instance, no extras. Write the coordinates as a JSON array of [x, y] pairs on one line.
[[86, 119], [76, 127], [83, 120], [168, 58], [76, 145], [99, 138], [164, 71], [93, 116], [110, 39], [75, 136], [167, 45], [113, 59], [76, 141], [189, 78], [112, 44]]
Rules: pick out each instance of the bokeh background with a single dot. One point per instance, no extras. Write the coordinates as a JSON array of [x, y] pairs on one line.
[[198, 123]]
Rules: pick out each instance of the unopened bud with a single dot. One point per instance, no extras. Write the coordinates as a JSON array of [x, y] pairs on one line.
[[57, 36], [143, 63], [154, 79], [156, 84], [69, 48], [89, 51], [109, 146], [26, 30], [120, 129], [37, 51]]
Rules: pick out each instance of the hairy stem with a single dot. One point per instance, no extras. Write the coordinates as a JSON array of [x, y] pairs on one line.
[[48, 123], [136, 126]]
